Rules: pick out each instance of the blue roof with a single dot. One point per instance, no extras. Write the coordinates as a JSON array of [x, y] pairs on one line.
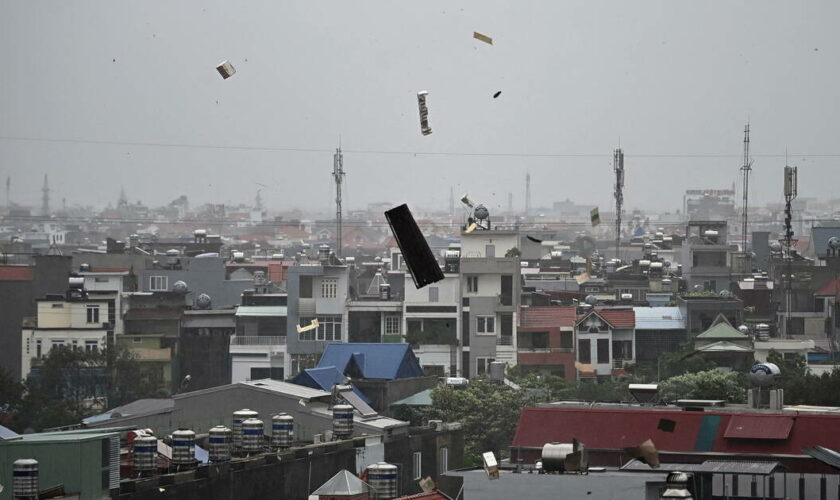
[[324, 378], [372, 360]]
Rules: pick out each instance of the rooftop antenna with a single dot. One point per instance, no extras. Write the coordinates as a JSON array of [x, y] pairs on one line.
[[788, 241], [338, 176], [618, 166], [528, 194], [745, 170], [45, 197]]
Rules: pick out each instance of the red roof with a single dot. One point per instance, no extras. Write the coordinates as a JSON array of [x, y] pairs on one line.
[[547, 317], [618, 318], [830, 289], [433, 495], [705, 431], [16, 273]]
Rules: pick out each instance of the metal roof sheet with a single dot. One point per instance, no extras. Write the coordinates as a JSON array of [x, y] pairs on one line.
[[659, 318], [723, 346], [710, 467], [758, 427], [824, 455], [342, 484], [262, 311]]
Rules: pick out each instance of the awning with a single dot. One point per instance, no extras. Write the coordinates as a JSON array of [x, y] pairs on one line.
[[261, 311], [758, 427]]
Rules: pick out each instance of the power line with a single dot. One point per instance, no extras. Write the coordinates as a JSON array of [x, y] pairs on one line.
[[233, 147]]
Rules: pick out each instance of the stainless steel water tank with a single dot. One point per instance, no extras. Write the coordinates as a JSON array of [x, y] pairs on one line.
[[25, 478], [252, 435], [282, 430], [145, 453], [342, 421], [382, 477], [554, 456], [240, 416], [219, 442], [183, 447]]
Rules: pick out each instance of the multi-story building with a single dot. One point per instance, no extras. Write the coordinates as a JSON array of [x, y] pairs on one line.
[[547, 339], [316, 290], [490, 288], [706, 256], [202, 275], [606, 342], [258, 350]]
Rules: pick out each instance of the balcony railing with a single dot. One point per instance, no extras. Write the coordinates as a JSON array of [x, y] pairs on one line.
[[504, 340], [257, 340]]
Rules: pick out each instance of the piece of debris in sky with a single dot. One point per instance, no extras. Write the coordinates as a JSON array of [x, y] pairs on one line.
[[483, 38], [497, 94], [226, 69], [421, 262], [594, 216], [535, 240], [424, 112], [311, 326]]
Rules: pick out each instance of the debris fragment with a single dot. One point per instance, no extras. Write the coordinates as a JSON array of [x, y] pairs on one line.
[[535, 240], [645, 453], [418, 256], [472, 227], [424, 112], [483, 38], [226, 69], [311, 326], [595, 217], [497, 94]]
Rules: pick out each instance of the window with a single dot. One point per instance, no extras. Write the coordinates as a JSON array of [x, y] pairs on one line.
[[38, 348], [92, 314], [158, 283], [329, 328], [485, 325], [418, 462], [58, 306], [443, 464], [57, 343], [472, 284], [490, 251], [100, 279], [565, 340], [301, 362], [305, 291], [91, 345], [329, 288], [392, 325], [584, 351], [482, 366], [433, 294], [622, 349], [603, 351], [137, 340]]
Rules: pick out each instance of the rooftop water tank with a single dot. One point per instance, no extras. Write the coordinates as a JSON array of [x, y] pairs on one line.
[[183, 447], [382, 477], [252, 435], [282, 430], [144, 449], [342, 421], [25, 478], [764, 374], [240, 416], [219, 442], [554, 456]]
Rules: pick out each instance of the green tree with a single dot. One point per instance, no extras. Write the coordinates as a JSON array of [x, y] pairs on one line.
[[11, 398], [710, 384], [489, 414], [685, 360]]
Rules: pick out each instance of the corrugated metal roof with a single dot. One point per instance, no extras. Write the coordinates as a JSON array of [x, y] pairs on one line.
[[722, 330], [6, 433], [374, 360], [723, 346], [758, 427], [547, 317], [659, 318], [710, 467], [824, 455], [16, 273], [298, 391], [262, 311], [422, 398], [344, 483]]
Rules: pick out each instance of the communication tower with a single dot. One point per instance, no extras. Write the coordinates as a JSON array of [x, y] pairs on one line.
[[338, 176], [618, 166], [746, 169]]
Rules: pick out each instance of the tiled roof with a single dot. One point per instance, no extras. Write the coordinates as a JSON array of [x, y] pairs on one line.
[[547, 316], [618, 318], [830, 289], [16, 273]]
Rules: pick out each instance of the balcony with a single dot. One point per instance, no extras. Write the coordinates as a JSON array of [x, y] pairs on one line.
[[248, 340]]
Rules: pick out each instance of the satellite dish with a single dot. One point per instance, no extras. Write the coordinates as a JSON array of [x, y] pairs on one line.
[[203, 301], [591, 300], [834, 243], [764, 374], [180, 287], [481, 212], [744, 329], [775, 246]]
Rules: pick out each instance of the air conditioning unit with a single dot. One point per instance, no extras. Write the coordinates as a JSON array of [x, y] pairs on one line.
[[437, 424]]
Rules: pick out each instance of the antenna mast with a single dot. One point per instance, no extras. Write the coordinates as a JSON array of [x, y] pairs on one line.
[[745, 170], [618, 166], [338, 175], [45, 197], [790, 195], [527, 194]]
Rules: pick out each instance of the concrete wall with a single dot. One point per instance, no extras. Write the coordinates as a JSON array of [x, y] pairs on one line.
[[204, 275]]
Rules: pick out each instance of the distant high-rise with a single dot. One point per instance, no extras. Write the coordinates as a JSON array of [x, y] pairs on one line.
[[122, 202], [8, 191], [451, 202], [528, 193], [45, 197], [510, 203]]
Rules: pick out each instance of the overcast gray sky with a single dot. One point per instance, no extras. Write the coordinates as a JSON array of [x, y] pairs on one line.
[[664, 78]]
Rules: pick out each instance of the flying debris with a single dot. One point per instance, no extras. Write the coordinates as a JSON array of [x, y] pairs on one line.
[[472, 227], [535, 240], [595, 216], [646, 453], [418, 256], [497, 94], [483, 38], [311, 326], [424, 112], [226, 69]]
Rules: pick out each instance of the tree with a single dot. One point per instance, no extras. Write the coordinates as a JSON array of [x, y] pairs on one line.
[[685, 360], [710, 384], [489, 414], [11, 397]]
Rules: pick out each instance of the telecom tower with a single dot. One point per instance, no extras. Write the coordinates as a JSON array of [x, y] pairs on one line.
[[528, 194], [618, 166], [790, 195], [8, 191], [745, 170], [451, 202], [338, 176], [45, 197]]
